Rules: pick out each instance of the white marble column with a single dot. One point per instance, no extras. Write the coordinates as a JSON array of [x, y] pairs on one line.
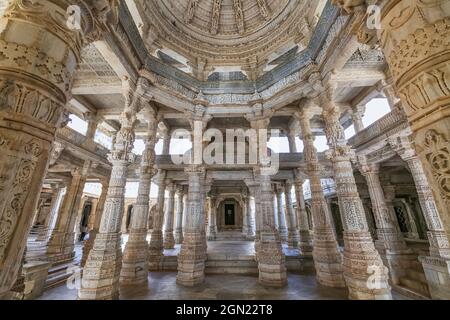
[[156, 246], [390, 242], [61, 244], [291, 140], [282, 227], [270, 255], [250, 204], [306, 240], [357, 115], [39, 57], [57, 196], [326, 253], [360, 255], [89, 243], [293, 234], [179, 218], [191, 260], [102, 270], [135, 256], [212, 218], [169, 240]]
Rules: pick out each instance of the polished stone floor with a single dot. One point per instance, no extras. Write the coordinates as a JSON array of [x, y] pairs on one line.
[[163, 286]]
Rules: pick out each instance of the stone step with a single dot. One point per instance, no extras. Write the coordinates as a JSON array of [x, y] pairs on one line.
[[415, 286], [58, 274], [243, 265], [409, 293]]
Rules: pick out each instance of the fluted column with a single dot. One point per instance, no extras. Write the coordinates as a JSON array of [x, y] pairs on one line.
[[418, 54], [282, 227], [89, 243], [305, 243], [40, 52], [326, 253], [156, 246], [61, 244], [291, 217], [102, 270], [390, 242], [169, 240], [57, 196], [360, 254], [135, 256], [271, 259], [191, 260], [212, 219], [179, 219]]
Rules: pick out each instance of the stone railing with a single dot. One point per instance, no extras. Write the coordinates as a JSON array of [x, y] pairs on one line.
[[392, 123], [75, 138]]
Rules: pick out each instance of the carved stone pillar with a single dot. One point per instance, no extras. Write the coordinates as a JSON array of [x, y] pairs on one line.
[[169, 241], [253, 190], [282, 227], [179, 219], [135, 257], [191, 260], [361, 259], [291, 140], [102, 270], [89, 243], [166, 143], [271, 259], [61, 244], [40, 51], [293, 235], [390, 242], [250, 208], [156, 246], [212, 219], [413, 37], [57, 196], [326, 254], [305, 243], [357, 115], [438, 263]]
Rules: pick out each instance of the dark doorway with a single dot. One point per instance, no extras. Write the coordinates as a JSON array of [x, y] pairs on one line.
[[229, 215], [84, 221], [129, 213]]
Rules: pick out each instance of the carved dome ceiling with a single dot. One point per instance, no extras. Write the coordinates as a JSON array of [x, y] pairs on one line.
[[214, 33]]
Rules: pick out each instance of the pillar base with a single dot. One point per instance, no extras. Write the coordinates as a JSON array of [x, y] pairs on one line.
[[327, 259], [293, 239], [155, 250], [102, 270], [437, 272], [191, 260], [305, 243], [169, 240], [61, 247], [283, 234], [135, 261], [271, 262], [365, 274]]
